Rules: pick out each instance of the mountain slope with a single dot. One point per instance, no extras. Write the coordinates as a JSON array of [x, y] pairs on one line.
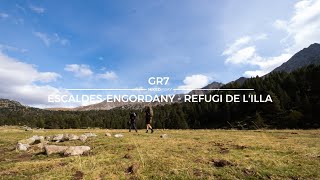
[[9, 104], [306, 56], [213, 85]]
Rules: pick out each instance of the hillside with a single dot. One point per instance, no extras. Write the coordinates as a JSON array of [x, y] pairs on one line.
[[10, 104], [213, 85], [305, 57]]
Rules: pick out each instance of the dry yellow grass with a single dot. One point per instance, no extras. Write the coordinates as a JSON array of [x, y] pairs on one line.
[[185, 154]]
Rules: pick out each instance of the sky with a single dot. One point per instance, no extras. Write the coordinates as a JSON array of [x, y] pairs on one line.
[[47, 47]]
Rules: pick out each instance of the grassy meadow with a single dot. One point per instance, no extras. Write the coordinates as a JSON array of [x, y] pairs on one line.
[[184, 154]]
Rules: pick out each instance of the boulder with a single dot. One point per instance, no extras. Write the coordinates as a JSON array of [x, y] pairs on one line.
[[90, 134], [164, 136], [33, 140], [83, 138], [108, 134], [38, 147], [76, 150], [73, 137], [118, 135], [53, 149], [22, 147], [57, 138], [48, 138], [38, 139]]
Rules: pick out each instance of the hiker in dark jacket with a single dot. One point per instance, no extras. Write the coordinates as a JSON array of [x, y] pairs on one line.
[[132, 121], [148, 115]]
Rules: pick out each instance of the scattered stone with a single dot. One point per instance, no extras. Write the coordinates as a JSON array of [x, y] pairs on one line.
[[57, 138], [218, 144], [38, 147], [127, 156], [48, 138], [221, 163], [78, 175], [200, 173], [118, 135], [283, 137], [108, 134], [38, 139], [83, 138], [174, 172], [164, 136], [241, 147], [200, 160], [90, 134], [33, 140], [22, 147], [224, 150], [24, 144], [248, 172], [130, 147], [197, 172], [133, 168], [66, 150], [76, 150], [53, 149], [63, 164], [71, 137]]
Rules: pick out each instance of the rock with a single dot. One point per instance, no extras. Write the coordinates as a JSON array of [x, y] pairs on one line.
[[83, 138], [38, 139], [241, 147], [130, 147], [57, 138], [33, 140], [108, 134], [90, 134], [70, 137], [133, 168], [53, 149], [127, 156], [248, 171], [66, 150], [48, 138], [118, 135], [76, 150], [224, 150], [221, 163], [22, 147], [78, 175], [27, 141], [38, 147], [164, 136]]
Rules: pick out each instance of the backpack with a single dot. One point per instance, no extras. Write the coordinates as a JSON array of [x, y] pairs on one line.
[[133, 116], [149, 111]]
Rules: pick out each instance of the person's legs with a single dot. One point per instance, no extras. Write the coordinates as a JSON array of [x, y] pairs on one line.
[[150, 127], [130, 127], [135, 127], [147, 128]]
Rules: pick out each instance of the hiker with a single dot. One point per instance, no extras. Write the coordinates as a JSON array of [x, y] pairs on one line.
[[132, 121], [149, 115]]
